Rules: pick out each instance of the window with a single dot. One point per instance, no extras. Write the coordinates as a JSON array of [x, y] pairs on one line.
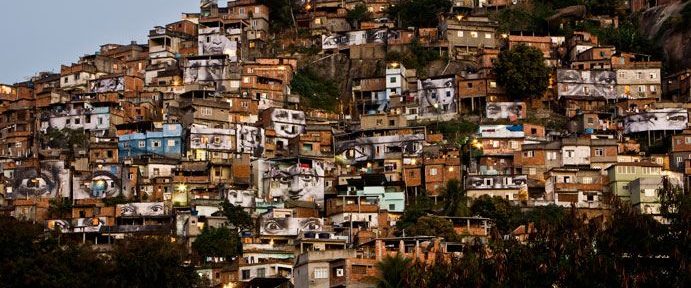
[[321, 273], [492, 84], [470, 84], [433, 171], [569, 153], [245, 274], [157, 171], [567, 179], [307, 147], [206, 111], [587, 180], [639, 75], [68, 121], [318, 21], [459, 33], [100, 121], [591, 120], [473, 34], [130, 176], [156, 143], [599, 152], [392, 207], [649, 192], [392, 79], [171, 142], [652, 88], [528, 154], [488, 36], [245, 80], [87, 120], [142, 144], [77, 121], [109, 153], [653, 76], [641, 88], [532, 171]]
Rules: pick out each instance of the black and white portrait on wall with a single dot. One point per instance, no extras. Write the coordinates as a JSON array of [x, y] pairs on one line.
[[250, 140], [437, 96], [506, 110], [657, 120], [297, 181], [288, 226], [288, 123], [213, 42], [590, 83]]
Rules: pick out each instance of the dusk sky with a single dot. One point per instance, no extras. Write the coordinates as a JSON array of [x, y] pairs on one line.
[[40, 35]]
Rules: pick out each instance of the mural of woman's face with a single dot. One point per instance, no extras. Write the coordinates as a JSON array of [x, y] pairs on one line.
[[299, 183], [504, 110], [242, 198], [104, 186]]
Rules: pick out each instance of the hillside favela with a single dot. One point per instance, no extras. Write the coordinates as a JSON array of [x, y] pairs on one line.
[[358, 143]]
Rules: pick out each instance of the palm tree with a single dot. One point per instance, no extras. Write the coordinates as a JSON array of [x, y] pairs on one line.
[[392, 270], [456, 199]]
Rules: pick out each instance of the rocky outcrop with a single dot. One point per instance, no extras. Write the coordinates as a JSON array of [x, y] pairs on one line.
[[669, 27]]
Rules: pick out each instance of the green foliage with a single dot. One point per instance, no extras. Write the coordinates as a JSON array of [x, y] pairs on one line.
[[604, 7], [419, 13], [455, 199], [454, 131], [506, 216], [237, 216], [417, 57], [524, 18], [358, 14], [627, 37], [413, 212], [151, 262], [65, 138], [391, 271], [522, 72], [32, 258], [565, 250], [315, 91], [218, 242], [433, 226], [280, 13], [59, 208]]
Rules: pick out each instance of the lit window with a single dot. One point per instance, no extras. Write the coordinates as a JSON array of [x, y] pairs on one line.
[[460, 33], [433, 171], [321, 273], [473, 34], [488, 36]]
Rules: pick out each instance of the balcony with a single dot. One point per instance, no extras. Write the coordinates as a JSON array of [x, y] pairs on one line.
[[578, 187]]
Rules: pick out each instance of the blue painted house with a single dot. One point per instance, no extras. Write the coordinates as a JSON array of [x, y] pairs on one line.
[[168, 143]]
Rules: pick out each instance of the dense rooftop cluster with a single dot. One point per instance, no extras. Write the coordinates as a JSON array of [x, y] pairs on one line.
[[318, 163]]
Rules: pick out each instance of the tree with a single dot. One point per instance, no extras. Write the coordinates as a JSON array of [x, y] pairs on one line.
[[456, 201], [151, 262], [433, 226], [392, 270], [358, 14], [315, 90], [522, 72], [413, 212], [218, 242], [506, 216], [419, 13], [237, 216]]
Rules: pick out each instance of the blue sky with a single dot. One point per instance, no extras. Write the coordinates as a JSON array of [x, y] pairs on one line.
[[39, 35]]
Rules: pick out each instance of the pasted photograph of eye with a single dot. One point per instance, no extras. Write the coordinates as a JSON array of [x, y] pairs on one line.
[[275, 226], [141, 209], [48, 181], [310, 224]]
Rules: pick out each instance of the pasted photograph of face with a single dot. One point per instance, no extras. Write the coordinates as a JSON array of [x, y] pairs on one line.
[[103, 186], [288, 123], [438, 95], [204, 71], [250, 140], [506, 110], [298, 182], [289, 226], [242, 198], [45, 183], [656, 121], [141, 209], [216, 44]]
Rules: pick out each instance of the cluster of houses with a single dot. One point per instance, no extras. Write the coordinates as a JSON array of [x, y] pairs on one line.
[[148, 139]]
